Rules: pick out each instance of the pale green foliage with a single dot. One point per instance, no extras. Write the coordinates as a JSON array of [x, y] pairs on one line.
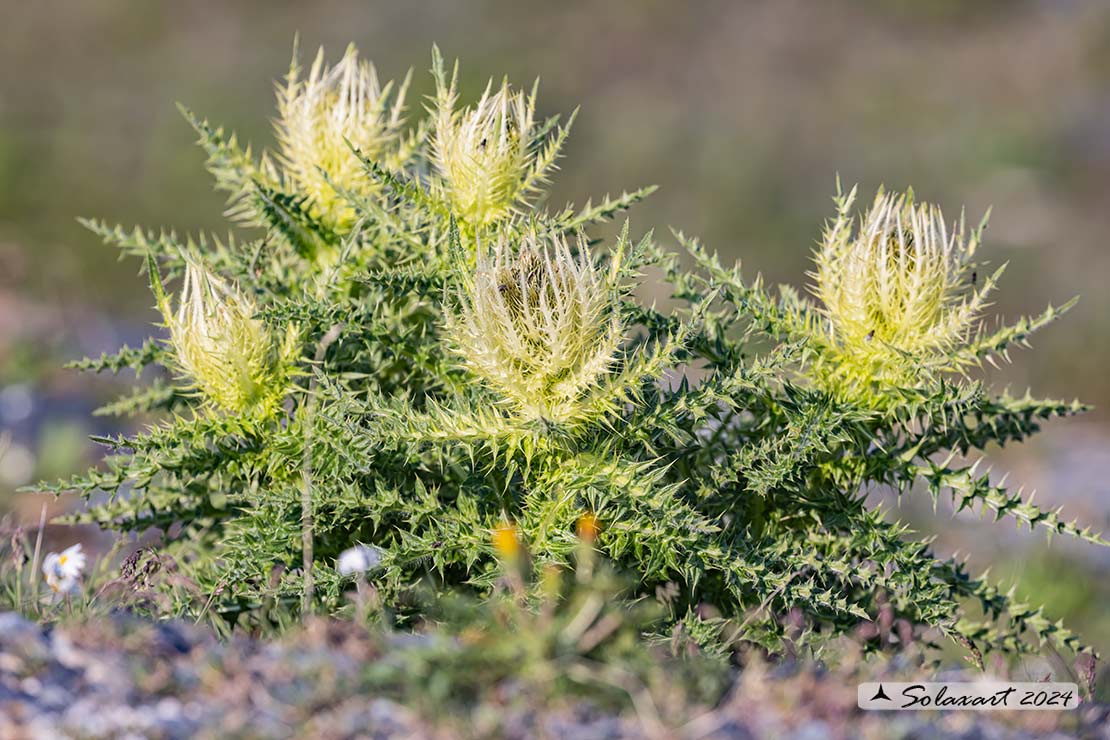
[[446, 388], [539, 324], [896, 293]]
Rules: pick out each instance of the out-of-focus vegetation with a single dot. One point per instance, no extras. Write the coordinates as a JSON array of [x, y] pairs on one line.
[[745, 112]]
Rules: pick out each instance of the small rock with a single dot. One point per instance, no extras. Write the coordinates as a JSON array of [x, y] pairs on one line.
[[22, 638]]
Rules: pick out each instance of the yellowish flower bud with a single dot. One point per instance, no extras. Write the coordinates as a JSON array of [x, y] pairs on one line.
[[320, 114], [588, 527], [896, 292], [485, 154], [506, 542], [540, 325], [230, 357]]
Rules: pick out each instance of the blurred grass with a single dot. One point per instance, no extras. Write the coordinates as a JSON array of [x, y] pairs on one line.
[[744, 113], [1071, 589]]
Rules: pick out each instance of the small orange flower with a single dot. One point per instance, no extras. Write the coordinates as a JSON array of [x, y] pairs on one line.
[[588, 527], [506, 541]]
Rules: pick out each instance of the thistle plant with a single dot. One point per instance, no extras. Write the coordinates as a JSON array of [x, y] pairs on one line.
[[469, 373]]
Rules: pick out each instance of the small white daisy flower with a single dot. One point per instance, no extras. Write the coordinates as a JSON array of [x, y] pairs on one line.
[[358, 559], [63, 570]]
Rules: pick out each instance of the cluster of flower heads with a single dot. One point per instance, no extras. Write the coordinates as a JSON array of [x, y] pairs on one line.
[[487, 158], [898, 293], [537, 321]]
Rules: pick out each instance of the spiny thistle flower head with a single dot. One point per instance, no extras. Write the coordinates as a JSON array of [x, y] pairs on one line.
[[320, 114], [231, 357], [896, 291], [486, 154], [539, 324]]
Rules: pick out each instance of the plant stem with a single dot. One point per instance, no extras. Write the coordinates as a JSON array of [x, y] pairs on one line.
[[38, 551], [306, 473]]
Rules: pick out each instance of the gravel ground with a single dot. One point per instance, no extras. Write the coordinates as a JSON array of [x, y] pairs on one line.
[[122, 677]]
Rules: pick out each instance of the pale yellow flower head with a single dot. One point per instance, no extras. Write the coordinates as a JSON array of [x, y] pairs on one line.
[[540, 325], [486, 154], [232, 358], [897, 292], [319, 114]]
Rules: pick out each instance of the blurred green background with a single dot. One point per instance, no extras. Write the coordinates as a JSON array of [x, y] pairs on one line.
[[744, 113]]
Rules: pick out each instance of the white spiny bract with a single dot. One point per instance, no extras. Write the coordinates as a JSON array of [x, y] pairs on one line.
[[321, 116], [420, 389], [486, 153], [895, 293], [539, 324], [231, 357]]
